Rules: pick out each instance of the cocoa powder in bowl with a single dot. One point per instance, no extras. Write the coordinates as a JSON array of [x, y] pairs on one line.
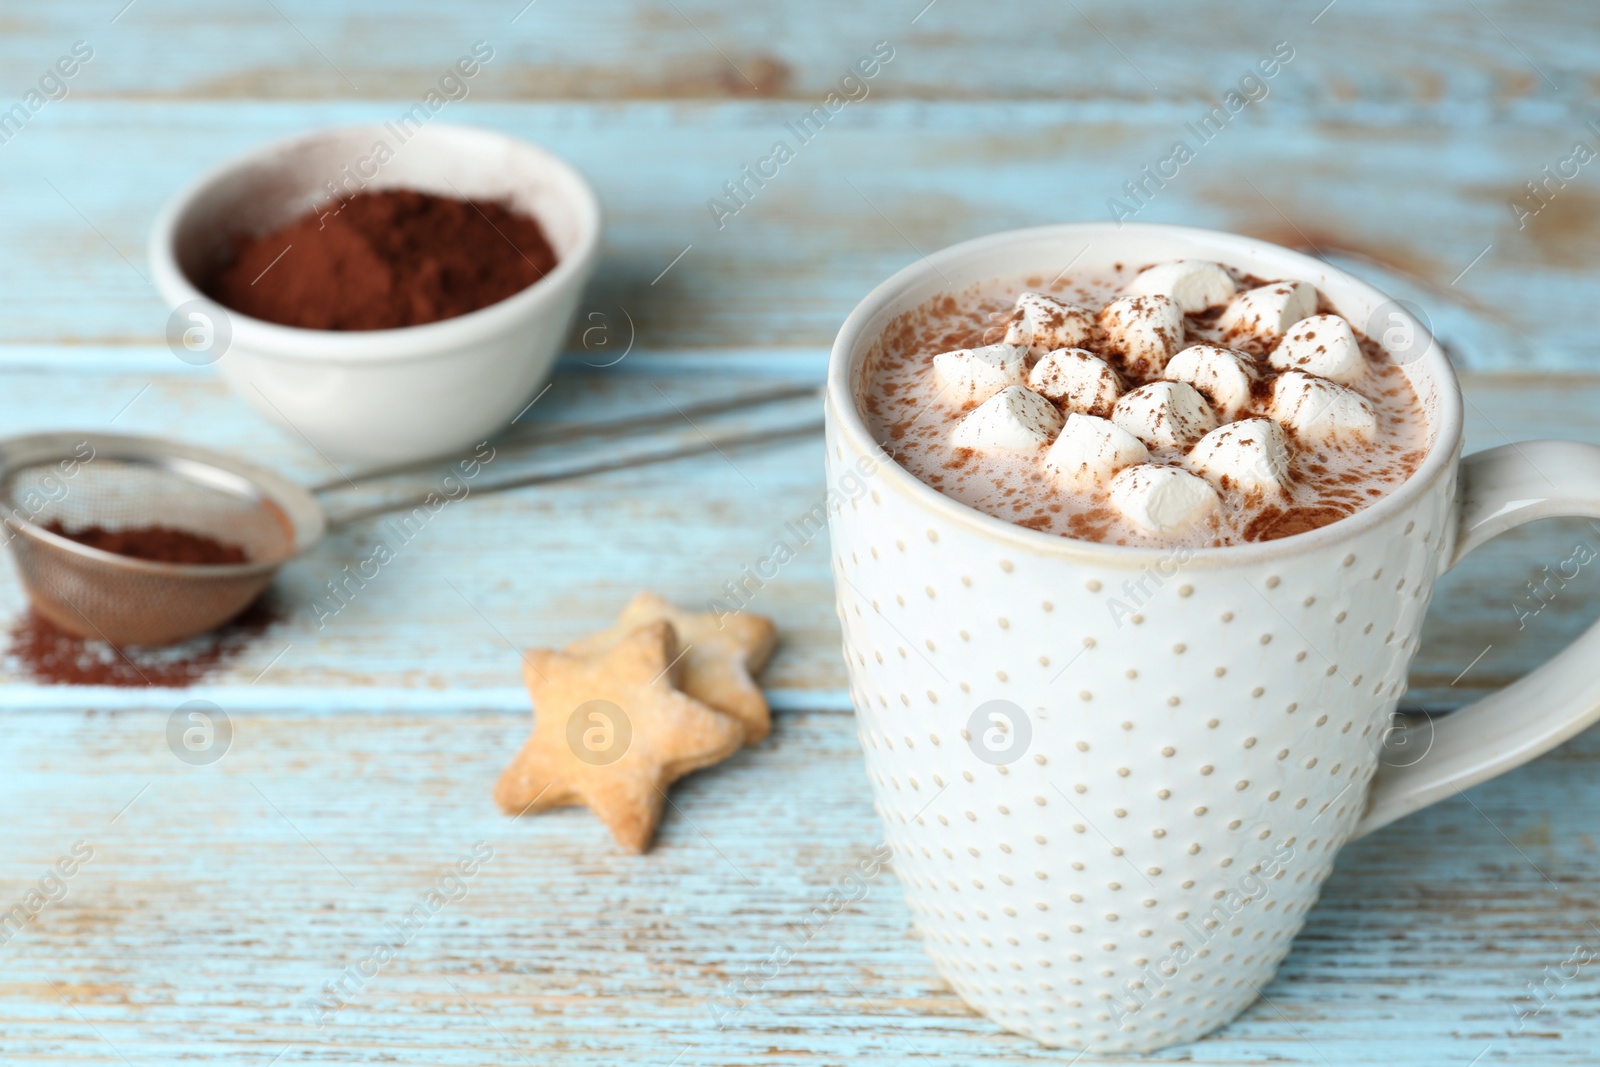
[[383, 260]]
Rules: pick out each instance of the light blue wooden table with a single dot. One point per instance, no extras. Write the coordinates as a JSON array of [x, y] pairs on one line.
[[219, 899]]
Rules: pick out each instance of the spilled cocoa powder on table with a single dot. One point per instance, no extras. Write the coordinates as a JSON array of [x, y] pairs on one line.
[[45, 653], [383, 260]]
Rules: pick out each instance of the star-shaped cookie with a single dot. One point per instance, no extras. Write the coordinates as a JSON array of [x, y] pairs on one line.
[[721, 654], [612, 731]]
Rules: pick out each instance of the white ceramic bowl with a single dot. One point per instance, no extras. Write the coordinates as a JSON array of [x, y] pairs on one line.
[[380, 396]]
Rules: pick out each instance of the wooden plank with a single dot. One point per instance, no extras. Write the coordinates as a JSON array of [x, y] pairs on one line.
[[1418, 206], [223, 896], [439, 626], [493, 574], [1430, 56]]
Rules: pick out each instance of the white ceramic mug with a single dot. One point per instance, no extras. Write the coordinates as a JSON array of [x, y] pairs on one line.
[[379, 396], [1109, 826]]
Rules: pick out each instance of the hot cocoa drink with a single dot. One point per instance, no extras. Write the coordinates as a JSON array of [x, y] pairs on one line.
[[1178, 403]]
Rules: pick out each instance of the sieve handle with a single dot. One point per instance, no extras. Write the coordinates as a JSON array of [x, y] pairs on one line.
[[708, 444], [609, 428]]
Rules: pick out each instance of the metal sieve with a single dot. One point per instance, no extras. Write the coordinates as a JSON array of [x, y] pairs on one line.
[[117, 482]]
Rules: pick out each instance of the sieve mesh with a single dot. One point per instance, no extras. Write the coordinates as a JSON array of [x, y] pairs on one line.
[[120, 483]]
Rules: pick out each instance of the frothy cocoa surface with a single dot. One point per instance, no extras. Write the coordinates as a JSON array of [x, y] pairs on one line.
[[909, 413]]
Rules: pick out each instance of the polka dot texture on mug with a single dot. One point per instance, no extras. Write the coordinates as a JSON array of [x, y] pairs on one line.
[[1200, 740]]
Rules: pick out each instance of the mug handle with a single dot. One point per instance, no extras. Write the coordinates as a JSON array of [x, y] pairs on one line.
[[1500, 489]]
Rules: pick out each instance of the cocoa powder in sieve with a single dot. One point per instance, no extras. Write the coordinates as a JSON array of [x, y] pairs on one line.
[[158, 544], [382, 260]]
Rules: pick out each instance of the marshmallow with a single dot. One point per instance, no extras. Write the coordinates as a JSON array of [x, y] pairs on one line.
[[1048, 323], [1165, 414], [1013, 418], [968, 375], [1270, 310], [1248, 455], [1193, 284], [1142, 331], [1318, 409], [1078, 380], [1090, 450], [1323, 345], [1162, 500], [1224, 377]]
